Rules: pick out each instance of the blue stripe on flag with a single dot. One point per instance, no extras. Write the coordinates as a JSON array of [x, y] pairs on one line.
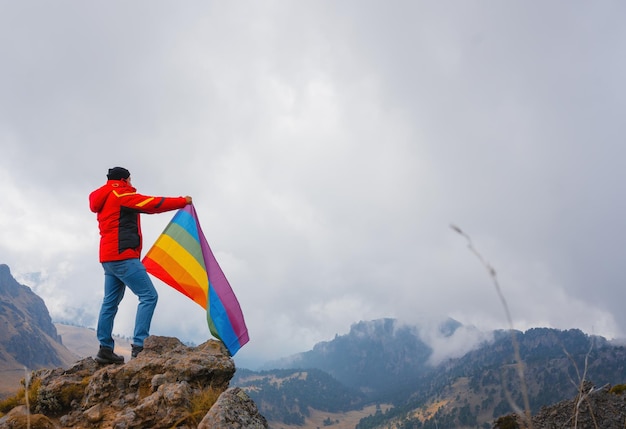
[[186, 221], [222, 322]]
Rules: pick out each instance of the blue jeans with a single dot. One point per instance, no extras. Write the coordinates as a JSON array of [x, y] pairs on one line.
[[118, 275]]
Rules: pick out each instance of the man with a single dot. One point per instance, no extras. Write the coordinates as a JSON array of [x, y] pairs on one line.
[[118, 206]]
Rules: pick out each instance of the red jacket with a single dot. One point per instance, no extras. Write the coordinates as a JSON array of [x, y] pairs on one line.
[[118, 206]]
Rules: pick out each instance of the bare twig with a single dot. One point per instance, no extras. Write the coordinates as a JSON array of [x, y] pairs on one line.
[[518, 360], [582, 395], [26, 386]]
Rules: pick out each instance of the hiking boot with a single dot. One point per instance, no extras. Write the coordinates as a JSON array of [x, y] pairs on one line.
[[135, 350], [106, 356]]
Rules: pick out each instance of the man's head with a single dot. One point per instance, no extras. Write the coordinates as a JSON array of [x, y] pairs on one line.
[[118, 173]]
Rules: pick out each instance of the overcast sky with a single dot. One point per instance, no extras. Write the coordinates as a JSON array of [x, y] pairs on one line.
[[328, 147]]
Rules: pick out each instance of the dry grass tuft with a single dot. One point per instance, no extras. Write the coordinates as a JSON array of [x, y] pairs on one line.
[[20, 398], [200, 405], [618, 389]]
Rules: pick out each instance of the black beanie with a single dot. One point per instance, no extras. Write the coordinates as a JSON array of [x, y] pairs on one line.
[[118, 173]]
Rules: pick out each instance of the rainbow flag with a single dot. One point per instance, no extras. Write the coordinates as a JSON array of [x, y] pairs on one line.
[[182, 258]]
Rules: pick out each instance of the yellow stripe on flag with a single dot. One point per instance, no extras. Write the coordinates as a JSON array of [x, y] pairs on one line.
[[194, 290], [184, 259]]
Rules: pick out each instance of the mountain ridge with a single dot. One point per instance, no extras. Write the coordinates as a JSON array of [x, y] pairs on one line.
[[462, 392], [28, 338]]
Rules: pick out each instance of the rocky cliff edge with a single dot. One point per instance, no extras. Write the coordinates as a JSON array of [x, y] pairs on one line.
[[169, 385], [594, 407]]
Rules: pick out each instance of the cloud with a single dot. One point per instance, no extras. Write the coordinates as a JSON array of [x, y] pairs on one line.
[[463, 340]]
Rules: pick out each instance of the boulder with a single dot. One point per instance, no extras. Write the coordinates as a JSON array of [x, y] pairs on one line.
[[168, 385]]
